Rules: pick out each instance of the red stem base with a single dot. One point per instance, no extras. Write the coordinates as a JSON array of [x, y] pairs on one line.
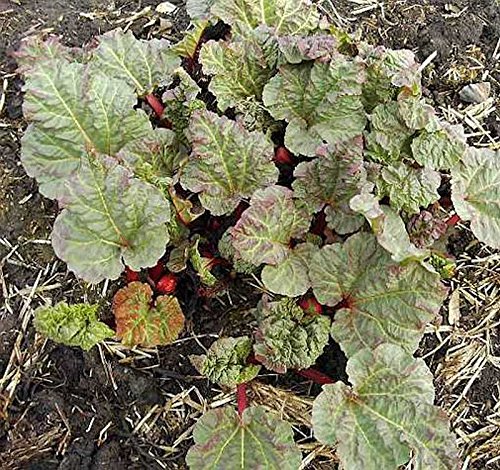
[[241, 396]]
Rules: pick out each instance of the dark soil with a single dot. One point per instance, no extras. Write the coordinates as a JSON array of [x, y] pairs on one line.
[[67, 397]]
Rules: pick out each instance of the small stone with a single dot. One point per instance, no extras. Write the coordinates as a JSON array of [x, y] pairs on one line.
[[476, 92], [165, 8]]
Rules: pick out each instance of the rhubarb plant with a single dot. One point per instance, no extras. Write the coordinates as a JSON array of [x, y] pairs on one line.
[[283, 154]]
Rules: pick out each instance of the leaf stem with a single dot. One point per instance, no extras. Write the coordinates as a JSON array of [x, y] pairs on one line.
[[155, 103], [241, 395], [453, 220], [316, 376]]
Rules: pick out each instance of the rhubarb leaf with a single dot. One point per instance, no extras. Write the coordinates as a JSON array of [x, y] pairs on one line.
[[388, 227], [331, 180], [188, 45], [239, 69], [201, 265], [72, 325], [297, 49], [143, 65], [386, 416], [290, 277], [225, 363], [110, 220], [440, 149], [227, 251], [257, 439], [320, 101], [288, 337], [476, 193], [389, 135], [265, 230], [227, 164], [416, 113], [282, 16], [65, 104], [409, 188], [140, 321], [385, 302]]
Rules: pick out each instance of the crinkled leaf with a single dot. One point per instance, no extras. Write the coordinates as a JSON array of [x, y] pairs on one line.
[[294, 17], [415, 112], [290, 277], [226, 362], [288, 337], [385, 302], [239, 69], [202, 265], [320, 101], [386, 70], [441, 149], [180, 102], [256, 440], [33, 50], [140, 321], [297, 49], [188, 45], [409, 188], [331, 180], [265, 229], [389, 135], [386, 416], [426, 227], [228, 163], [343, 219], [476, 193], [74, 112], [227, 251], [110, 219], [143, 65], [388, 227], [72, 325]]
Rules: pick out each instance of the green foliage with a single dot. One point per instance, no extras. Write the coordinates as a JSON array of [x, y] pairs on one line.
[[72, 325]]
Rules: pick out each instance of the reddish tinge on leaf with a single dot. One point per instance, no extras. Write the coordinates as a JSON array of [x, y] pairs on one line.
[[140, 321]]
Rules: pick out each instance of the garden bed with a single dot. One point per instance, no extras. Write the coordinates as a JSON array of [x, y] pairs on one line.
[[117, 408]]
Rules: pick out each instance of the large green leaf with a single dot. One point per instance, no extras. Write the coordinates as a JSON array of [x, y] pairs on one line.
[[72, 325], [440, 149], [74, 112], [295, 17], [110, 219], [291, 276], [240, 69], [143, 65], [256, 440], [225, 362], [228, 163], [476, 193], [265, 230], [386, 416], [287, 337], [383, 301], [409, 188], [320, 101], [331, 180], [140, 321]]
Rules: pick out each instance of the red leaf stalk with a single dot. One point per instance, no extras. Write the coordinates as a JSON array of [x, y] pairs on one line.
[[155, 103], [316, 376], [241, 396], [453, 220]]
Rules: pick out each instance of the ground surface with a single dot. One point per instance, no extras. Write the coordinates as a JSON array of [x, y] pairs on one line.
[[116, 409]]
